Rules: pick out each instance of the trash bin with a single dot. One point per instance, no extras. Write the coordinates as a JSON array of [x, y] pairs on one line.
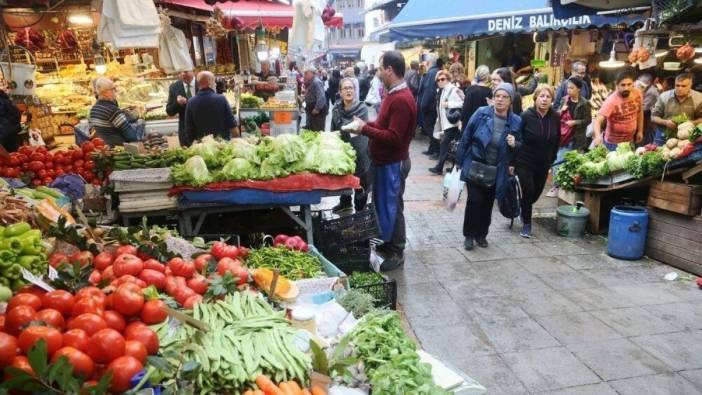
[[571, 220], [628, 227]]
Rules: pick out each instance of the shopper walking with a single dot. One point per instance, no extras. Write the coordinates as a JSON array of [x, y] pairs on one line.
[[208, 112], [316, 105], [623, 111], [485, 154], [333, 90], [477, 95], [448, 107], [505, 75], [413, 78], [540, 130], [178, 95], [427, 101], [578, 70], [343, 113], [389, 139]]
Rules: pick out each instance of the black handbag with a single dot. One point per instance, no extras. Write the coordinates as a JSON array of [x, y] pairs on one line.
[[453, 115], [482, 175]]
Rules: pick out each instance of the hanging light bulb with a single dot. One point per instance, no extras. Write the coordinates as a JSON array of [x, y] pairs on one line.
[[661, 53], [80, 19], [612, 62], [698, 60], [100, 66], [261, 47]]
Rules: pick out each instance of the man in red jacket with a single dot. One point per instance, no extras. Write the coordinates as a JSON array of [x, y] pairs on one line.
[[389, 139]]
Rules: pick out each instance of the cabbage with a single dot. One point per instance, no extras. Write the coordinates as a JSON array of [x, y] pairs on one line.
[[334, 156], [237, 169], [288, 148], [617, 161], [209, 149], [193, 172], [243, 149]]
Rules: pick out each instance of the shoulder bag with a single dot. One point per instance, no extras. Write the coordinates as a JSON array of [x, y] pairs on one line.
[[453, 115], [482, 175]]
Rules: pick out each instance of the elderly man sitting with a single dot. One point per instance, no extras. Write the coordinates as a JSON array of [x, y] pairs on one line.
[[109, 121], [208, 112]]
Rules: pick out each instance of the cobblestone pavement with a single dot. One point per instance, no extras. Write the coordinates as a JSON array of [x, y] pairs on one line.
[[544, 315]]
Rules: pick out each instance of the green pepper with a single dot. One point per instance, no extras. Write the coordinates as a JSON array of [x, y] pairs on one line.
[[13, 272], [28, 261], [6, 255], [5, 263], [32, 249], [17, 283], [13, 244], [2, 230], [17, 229], [32, 234], [4, 281]]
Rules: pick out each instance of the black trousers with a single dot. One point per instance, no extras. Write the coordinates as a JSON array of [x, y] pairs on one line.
[[478, 215], [360, 199], [532, 182], [316, 122], [450, 135]]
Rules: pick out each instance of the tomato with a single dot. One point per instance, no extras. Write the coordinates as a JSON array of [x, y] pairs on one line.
[[114, 320], [136, 349], [83, 366], [87, 147], [8, 349], [60, 172], [179, 267], [76, 338], [128, 299], [57, 259], [109, 299], [123, 369], [154, 312], [22, 363], [87, 304], [183, 293], [106, 345], [96, 182], [108, 274], [51, 317], [29, 336], [25, 299], [132, 327], [154, 265], [202, 261], [127, 264], [127, 278], [219, 249], [95, 277], [2, 323], [143, 256], [59, 300], [88, 322], [152, 277], [92, 292], [171, 285], [103, 260], [78, 163], [227, 265], [82, 257], [98, 142], [243, 252], [191, 301], [146, 336], [126, 249], [42, 173], [36, 182], [89, 165], [18, 317], [32, 289], [78, 155], [198, 284]]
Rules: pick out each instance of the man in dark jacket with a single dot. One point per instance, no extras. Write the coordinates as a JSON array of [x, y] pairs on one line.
[[9, 123], [412, 78], [178, 95], [316, 105], [427, 104], [208, 112]]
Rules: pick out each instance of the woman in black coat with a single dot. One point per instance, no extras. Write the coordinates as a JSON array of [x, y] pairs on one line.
[[540, 129], [333, 90], [9, 123]]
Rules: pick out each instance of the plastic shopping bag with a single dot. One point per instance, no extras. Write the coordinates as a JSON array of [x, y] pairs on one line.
[[453, 187]]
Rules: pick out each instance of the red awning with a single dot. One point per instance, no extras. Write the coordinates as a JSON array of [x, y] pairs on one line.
[[250, 12]]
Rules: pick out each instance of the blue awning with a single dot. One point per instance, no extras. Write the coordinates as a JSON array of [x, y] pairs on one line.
[[574, 9], [425, 19]]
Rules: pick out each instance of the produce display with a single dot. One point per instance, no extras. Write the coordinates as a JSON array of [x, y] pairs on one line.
[[292, 264], [275, 104], [21, 247], [248, 100], [124, 160]]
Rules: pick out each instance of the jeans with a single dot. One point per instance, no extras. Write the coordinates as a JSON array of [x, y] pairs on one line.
[[659, 138], [610, 146], [450, 135], [478, 214], [559, 157], [397, 243]]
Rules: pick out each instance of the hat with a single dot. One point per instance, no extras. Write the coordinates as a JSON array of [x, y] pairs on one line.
[[508, 88]]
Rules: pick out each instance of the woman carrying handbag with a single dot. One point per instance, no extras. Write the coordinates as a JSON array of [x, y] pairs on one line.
[[448, 108]]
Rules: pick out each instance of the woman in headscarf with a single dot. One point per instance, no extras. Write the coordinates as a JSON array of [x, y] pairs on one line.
[[504, 74]]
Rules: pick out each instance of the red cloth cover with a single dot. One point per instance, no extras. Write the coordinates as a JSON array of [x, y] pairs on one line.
[[295, 183]]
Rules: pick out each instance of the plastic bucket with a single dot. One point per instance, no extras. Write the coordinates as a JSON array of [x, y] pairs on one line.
[[628, 227], [571, 220]]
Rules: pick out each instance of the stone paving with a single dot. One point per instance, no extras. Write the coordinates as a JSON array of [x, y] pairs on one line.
[[547, 314]]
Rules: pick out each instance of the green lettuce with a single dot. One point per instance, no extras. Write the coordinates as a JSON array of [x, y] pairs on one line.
[[243, 149], [209, 150], [237, 169], [334, 156], [193, 172]]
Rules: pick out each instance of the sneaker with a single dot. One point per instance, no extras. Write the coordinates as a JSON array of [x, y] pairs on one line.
[[393, 262], [468, 243], [481, 241], [435, 171], [553, 192], [526, 231]]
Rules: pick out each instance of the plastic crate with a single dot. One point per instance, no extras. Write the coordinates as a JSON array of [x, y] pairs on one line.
[[334, 234], [351, 258], [329, 268], [385, 292]]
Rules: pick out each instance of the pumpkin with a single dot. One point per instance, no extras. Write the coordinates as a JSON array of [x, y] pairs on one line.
[[284, 288]]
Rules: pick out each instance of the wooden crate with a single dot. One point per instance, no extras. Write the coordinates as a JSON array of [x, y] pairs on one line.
[[676, 197], [675, 240]]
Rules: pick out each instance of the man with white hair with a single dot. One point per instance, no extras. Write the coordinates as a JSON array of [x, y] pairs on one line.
[[208, 112], [109, 121]]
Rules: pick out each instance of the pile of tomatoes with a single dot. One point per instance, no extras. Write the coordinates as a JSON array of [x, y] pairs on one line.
[[96, 332], [41, 167]]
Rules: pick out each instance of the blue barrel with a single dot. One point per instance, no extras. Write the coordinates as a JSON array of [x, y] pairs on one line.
[[628, 226]]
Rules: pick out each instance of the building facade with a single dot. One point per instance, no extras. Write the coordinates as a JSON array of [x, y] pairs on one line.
[[346, 42]]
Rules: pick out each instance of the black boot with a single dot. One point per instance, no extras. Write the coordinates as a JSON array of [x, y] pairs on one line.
[[468, 243], [481, 241]]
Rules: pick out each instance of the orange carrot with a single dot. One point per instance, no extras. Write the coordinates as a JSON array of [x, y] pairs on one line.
[[305, 391], [285, 387], [267, 386], [249, 392], [294, 386], [258, 392], [317, 390]]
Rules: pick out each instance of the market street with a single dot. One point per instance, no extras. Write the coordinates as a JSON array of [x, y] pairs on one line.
[[546, 313]]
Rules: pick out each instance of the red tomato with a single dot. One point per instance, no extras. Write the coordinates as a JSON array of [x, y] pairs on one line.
[[17, 317], [191, 301], [108, 274], [103, 260], [88, 322], [87, 147], [171, 285], [59, 300], [87, 304], [154, 312], [25, 299], [2, 323], [127, 264], [198, 284], [126, 249], [78, 163], [183, 293], [82, 257], [76, 338], [89, 165], [98, 142], [106, 345], [128, 299], [95, 277], [182, 268], [154, 265], [51, 317], [202, 261], [136, 349], [83, 366], [152, 277], [227, 265], [32, 289], [145, 336], [92, 292], [114, 320], [123, 369], [8, 349], [219, 249], [243, 252], [108, 300], [20, 362], [132, 327], [29, 336], [77, 155]]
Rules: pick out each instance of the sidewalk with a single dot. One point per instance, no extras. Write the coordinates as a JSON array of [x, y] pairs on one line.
[[546, 314]]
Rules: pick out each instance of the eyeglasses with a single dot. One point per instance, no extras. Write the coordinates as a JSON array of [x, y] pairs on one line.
[[441, 79], [347, 88]]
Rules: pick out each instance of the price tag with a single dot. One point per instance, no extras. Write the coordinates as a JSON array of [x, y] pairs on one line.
[[53, 274], [38, 281], [282, 117]]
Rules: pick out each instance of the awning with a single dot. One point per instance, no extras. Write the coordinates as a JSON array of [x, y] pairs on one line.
[[353, 51], [270, 13], [573, 8], [422, 19]]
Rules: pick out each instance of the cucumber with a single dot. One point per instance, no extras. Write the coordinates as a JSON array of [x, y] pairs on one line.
[[50, 191]]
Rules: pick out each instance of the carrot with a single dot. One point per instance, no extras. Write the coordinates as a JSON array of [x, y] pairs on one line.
[[305, 391], [317, 390], [294, 386], [267, 386], [258, 392], [249, 392]]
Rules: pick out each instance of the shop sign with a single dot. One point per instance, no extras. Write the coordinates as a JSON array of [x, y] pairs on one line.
[[534, 22]]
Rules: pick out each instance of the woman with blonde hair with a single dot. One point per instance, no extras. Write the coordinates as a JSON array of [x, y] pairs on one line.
[[541, 131], [448, 100]]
